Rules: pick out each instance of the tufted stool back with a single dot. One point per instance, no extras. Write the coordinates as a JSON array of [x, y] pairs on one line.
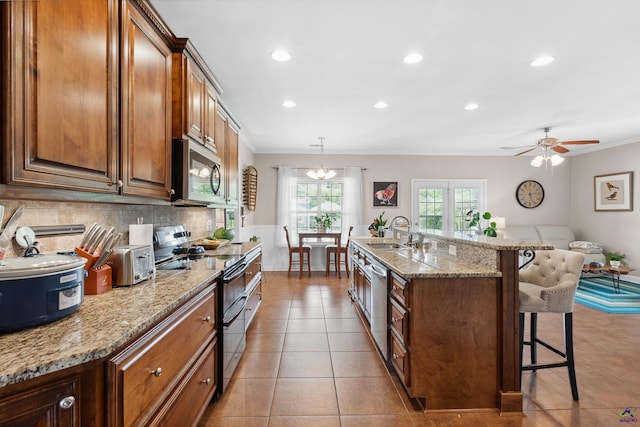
[[549, 283]]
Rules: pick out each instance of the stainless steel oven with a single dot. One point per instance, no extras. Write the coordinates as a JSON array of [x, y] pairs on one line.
[[196, 174]]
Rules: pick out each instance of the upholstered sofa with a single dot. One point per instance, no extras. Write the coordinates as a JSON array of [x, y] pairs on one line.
[[560, 236]]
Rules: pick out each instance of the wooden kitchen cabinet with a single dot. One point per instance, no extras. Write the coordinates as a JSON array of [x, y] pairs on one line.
[[56, 403], [195, 97], [60, 78], [176, 358], [70, 123], [231, 164], [253, 277], [146, 108]]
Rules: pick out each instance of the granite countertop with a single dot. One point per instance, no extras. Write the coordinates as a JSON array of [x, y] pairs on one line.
[[102, 324], [482, 241], [418, 263]]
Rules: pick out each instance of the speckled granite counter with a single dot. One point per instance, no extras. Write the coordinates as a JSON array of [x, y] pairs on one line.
[[476, 256], [101, 325]]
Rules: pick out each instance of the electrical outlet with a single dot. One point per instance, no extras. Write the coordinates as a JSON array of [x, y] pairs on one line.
[[209, 225], [452, 250]]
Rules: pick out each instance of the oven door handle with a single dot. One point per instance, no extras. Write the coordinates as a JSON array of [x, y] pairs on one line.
[[236, 275], [235, 316]]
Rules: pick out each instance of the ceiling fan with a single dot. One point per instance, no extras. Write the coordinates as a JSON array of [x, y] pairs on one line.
[[547, 145]]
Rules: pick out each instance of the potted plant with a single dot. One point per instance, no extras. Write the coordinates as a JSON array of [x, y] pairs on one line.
[[323, 222], [376, 228], [615, 258], [473, 217]]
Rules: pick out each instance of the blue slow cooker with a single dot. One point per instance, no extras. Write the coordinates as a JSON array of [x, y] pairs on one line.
[[39, 289]]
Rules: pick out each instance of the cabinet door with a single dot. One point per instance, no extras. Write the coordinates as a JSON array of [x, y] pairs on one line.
[[195, 101], [231, 160], [220, 129], [146, 109], [54, 404], [210, 118], [61, 93]]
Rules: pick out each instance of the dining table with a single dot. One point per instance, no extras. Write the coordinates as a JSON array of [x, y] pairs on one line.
[[337, 236]]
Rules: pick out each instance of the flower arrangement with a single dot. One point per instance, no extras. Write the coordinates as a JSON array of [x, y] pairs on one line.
[[324, 221], [473, 217], [378, 225]]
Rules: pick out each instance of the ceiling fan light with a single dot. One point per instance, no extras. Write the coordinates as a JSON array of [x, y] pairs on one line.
[[556, 160], [537, 162]]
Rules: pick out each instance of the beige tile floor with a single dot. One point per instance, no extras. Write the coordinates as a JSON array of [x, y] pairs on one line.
[[309, 362]]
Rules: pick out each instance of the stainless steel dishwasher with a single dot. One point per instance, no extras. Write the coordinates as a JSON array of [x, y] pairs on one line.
[[378, 274]]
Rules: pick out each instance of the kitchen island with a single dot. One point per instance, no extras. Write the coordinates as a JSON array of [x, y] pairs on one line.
[[453, 318]]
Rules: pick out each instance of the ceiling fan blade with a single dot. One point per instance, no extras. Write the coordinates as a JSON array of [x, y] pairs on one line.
[[590, 141], [521, 146], [526, 151], [559, 149]]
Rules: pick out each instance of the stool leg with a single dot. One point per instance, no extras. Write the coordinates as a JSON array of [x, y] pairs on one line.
[[327, 262], [308, 263], [533, 338], [290, 262], [346, 263], [568, 345], [521, 321]]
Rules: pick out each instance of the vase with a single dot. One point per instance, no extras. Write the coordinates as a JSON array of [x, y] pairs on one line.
[[614, 264]]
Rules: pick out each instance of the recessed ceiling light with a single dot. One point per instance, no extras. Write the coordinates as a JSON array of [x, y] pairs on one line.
[[542, 61], [288, 103], [412, 58], [280, 55], [380, 105], [471, 106]]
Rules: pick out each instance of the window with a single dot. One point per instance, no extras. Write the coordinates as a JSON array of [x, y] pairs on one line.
[[315, 197], [443, 204]]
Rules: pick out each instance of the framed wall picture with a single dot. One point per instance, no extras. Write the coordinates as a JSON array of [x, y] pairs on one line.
[[385, 194], [613, 192]]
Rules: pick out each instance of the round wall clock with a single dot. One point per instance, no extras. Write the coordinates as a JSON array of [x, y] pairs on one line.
[[530, 194]]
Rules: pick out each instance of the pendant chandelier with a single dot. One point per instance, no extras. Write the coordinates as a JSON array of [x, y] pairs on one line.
[[321, 173]]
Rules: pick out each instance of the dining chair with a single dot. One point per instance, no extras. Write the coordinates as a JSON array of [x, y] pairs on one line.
[[548, 285], [332, 249], [293, 250]]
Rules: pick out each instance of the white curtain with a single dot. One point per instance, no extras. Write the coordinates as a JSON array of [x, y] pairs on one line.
[[286, 205], [352, 200]]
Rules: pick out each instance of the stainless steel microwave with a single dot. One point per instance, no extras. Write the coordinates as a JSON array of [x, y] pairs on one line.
[[196, 174]]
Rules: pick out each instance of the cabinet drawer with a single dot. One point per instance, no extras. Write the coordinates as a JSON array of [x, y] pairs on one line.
[[400, 360], [253, 302], [189, 402], [145, 372], [400, 289], [399, 321], [254, 268]]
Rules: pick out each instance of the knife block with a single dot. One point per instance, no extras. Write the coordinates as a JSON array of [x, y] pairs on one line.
[[98, 281], [91, 260]]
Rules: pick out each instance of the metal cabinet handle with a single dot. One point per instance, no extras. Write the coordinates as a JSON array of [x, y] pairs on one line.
[[394, 320], [157, 372], [395, 356], [249, 308], [207, 381], [67, 402], [207, 319], [117, 183], [249, 273], [172, 191]]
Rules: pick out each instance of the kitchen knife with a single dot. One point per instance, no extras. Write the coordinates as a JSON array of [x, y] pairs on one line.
[[102, 244], [91, 235], [102, 259], [86, 235], [96, 240]]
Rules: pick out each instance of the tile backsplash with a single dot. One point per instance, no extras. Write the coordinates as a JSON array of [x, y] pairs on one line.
[[40, 213]]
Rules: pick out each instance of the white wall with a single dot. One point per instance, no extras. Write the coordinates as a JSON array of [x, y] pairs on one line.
[[503, 174], [617, 231]]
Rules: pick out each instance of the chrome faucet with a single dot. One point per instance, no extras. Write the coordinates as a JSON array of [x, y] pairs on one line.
[[392, 226]]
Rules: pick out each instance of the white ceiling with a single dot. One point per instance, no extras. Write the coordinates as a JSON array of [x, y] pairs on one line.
[[347, 55]]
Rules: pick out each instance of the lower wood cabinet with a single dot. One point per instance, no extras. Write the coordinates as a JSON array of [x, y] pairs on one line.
[[146, 378], [55, 403], [253, 288]]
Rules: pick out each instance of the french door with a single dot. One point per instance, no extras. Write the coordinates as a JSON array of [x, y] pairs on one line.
[[443, 204]]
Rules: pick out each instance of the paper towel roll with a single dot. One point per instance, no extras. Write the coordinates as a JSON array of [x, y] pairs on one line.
[[141, 234]]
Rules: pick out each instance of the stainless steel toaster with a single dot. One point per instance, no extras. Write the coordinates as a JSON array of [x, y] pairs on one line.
[[132, 264]]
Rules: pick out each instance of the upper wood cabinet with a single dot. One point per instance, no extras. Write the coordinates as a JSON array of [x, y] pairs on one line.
[[146, 108], [195, 97], [60, 93], [231, 160], [68, 123]]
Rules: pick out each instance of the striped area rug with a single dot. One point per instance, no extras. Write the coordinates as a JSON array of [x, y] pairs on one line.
[[598, 293]]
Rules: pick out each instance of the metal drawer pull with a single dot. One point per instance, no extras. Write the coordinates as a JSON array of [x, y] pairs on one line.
[[67, 402], [207, 381], [395, 356], [157, 372], [207, 319], [394, 320]]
